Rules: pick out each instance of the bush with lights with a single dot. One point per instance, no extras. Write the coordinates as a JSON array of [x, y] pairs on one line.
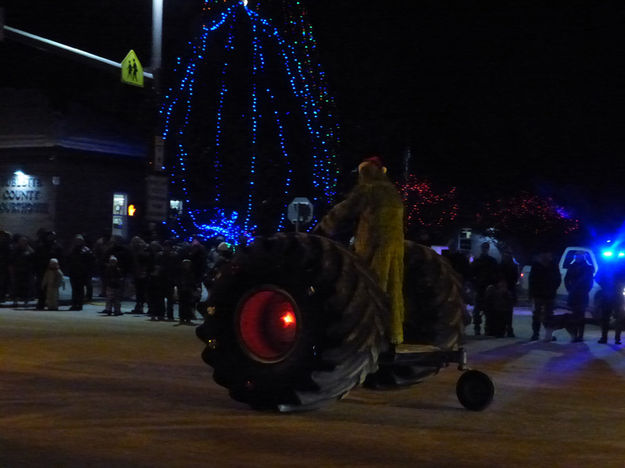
[[528, 220], [427, 208]]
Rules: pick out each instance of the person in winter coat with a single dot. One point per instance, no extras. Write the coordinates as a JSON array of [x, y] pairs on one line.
[[378, 211], [100, 248], [117, 248], [509, 269], [198, 255], [22, 264], [611, 300], [219, 256], [498, 308], [188, 292], [51, 281], [80, 264], [459, 262], [544, 280], [157, 282], [578, 282], [114, 280], [46, 248], [140, 267], [5, 260], [213, 256], [171, 270], [484, 272]]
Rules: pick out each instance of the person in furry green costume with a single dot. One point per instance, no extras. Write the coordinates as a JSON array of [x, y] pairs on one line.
[[377, 208]]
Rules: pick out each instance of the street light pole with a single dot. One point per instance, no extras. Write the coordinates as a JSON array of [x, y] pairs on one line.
[[157, 188], [157, 35], [62, 49]]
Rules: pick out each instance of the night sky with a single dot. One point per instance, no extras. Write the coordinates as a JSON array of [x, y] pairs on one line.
[[489, 99], [501, 98]]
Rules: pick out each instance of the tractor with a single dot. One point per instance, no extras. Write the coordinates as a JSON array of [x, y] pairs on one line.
[[295, 321]]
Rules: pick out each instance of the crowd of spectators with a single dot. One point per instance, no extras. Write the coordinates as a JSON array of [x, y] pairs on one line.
[[491, 287], [159, 275], [156, 274]]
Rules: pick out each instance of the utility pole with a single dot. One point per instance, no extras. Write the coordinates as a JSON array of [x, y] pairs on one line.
[[157, 183], [157, 35]]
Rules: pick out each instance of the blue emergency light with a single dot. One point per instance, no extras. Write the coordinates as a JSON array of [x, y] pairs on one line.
[[611, 254]]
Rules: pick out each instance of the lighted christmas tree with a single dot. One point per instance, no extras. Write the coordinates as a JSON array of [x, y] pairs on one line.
[[250, 123]]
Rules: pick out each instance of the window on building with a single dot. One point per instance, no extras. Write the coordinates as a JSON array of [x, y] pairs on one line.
[[175, 208], [120, 211]]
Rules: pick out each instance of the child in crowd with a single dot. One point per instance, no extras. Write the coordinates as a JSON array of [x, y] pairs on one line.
[[51, 282], [499, 304], [114, 281]]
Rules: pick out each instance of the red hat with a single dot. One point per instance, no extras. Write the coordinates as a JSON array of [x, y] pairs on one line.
[[374, 160]]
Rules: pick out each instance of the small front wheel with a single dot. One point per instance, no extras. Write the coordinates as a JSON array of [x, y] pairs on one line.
[[475, 390]]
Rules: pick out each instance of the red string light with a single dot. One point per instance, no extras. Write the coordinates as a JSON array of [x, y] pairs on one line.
[[528, 212], [424, 206]]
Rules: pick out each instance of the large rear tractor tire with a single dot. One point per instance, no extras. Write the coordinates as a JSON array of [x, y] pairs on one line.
[[435, 310], [434, 313], [294, 321]]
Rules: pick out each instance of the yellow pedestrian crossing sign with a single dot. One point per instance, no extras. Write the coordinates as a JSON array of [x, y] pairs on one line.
[[132, 70]]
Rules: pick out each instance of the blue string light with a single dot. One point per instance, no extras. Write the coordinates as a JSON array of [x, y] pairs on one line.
[[218, 126], [301, 87], [209, 224], [306, 83]]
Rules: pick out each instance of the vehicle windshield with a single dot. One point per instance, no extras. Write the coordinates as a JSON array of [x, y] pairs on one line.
[[570, 257]]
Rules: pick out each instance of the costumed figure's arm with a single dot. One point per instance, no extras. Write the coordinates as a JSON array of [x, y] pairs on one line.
[[343, 214]]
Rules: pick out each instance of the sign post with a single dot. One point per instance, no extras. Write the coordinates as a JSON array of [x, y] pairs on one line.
[[157, 197], [159, 154], [299, 211], [132, 70]]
